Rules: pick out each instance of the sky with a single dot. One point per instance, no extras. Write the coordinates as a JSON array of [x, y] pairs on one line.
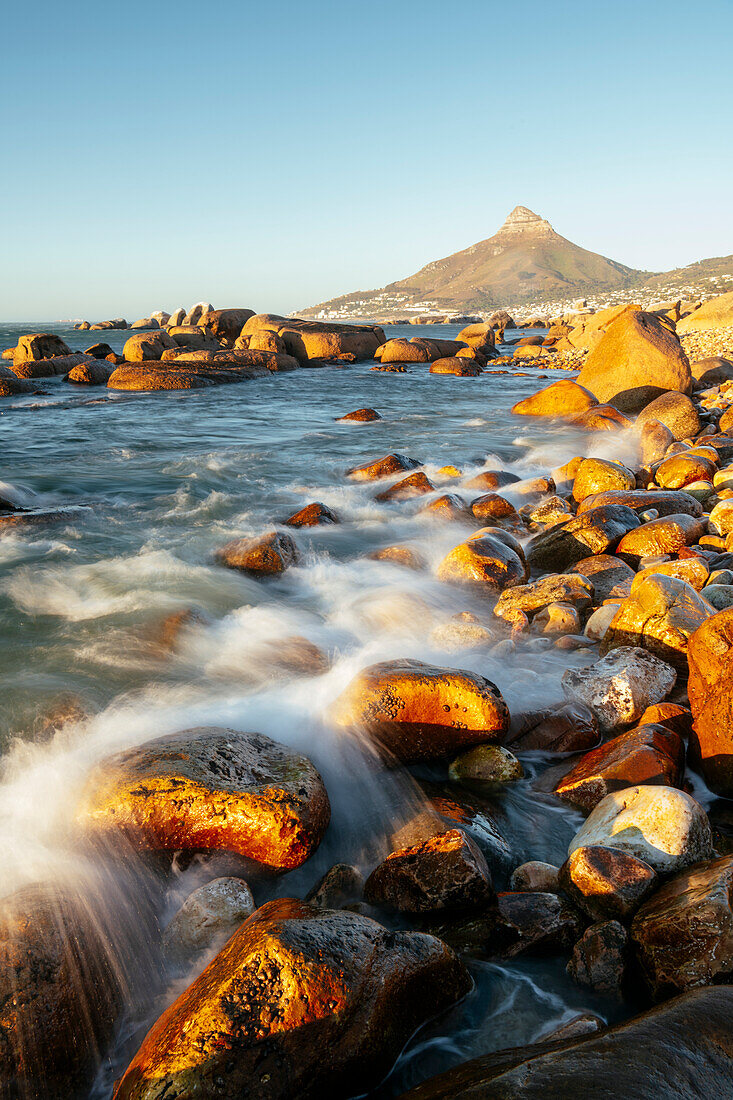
[[275, 154]]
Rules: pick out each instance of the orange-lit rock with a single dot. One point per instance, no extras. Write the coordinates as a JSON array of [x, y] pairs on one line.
[[598, 475], [312, 515], [209, 788], [447, 871], [710, 688], [666, 502], [382, 467], [660, 616], [607, 882], [486, 562], [666, 535], [264, 555], [563, 398], [361, 416], [414, 485], [39, 345]]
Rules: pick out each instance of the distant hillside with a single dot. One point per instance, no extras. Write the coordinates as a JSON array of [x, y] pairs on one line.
[[526, 260], [717, 272]]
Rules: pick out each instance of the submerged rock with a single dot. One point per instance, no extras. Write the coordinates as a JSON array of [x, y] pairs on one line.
[[210, 788], [265, 555], [312, 515], [300, 1002], [361, 416], [208, 917]]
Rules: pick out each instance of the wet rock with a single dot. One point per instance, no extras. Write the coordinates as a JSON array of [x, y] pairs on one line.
[[453, 364], [654, 439], [39, 345], [636, 360], [11, 387], [666, 535], [663, 501], [207, 918], [60, 993], [41, 517], [607, 883], [571, 727], [264, 555], [521, 923], [414, 711], [400, 555], [147, 345], [153, 378], [609, 575], [562, 399], [662, 826], [565, 588], [209, 788], [599, 622], [645, 755], [489, 561], [413, 485], [491, 479], [660, 616], [684, 933], [168, 633], [447, 871], [585, 1023], [93, 372], [312, 515], [684, 469], [361, 416], [535, 876], [486, 764], [710, 688], [560, 619], [341, 885], [602, 418], [594, 532], [681, 1051], [671, 715], [548, 512], [693, 570], [721, 518], [383, 467], [599, 958], [49, 368], [299, 1002], [676, 412], [449, 506], [621, 686], [598, 475]]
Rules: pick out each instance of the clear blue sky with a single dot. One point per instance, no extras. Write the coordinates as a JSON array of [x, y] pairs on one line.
[[274, 154]]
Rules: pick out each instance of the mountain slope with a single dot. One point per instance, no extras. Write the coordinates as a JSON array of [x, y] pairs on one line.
[[525, 260]]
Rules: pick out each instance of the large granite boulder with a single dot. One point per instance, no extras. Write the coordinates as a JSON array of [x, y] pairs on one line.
[[710, 688], [596, 531], [715, 313], [39, 345], [660, 615]]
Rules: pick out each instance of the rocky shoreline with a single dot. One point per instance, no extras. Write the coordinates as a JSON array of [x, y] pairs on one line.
[[629, 566]]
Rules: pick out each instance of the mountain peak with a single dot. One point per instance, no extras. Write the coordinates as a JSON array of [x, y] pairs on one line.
[[521, 219]]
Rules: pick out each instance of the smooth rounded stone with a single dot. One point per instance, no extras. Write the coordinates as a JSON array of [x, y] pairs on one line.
[[209, 788], [719, 595], [660, 617], [679, 471], [341, 885], [620, 686], [400, 555], [585, 1023], [548, 512], [600, 957], [561, 399], [92, 372], [666, 535], [452, 364], [535, 876], [457, 636], [486, 764], [533, 488], [60, 992], [312, 515], [644, 755], [290, 973], [721, 518], [488, 480], [712, 370], [568, 727], [564, 588], [361, 416], [521, 923], [607, 883], [39, 345], [413, 711], [382, 467], [600, 475], [666, 501], [710, 689], [662, 826], [654, 439], [147, 345], [414, 485], [558, 618], [609, 575], [720, 576], [723, 479], [676, 411], [694, 570], [594, 532], [684, 934], [263, 555], [682, 1050], [599, 622], [208, 917], [449, 506], [447, 871], [487, 562], [137, 377], [601, 418]]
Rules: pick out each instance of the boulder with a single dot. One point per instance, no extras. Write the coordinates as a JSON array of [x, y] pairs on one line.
[[535, 876], [413, 485], [660, 615], [521, 923], [177, 317], [684, 933], [609, 576], [695, 571], [39, 345], [675, 411], [147, 345], [607, 883], [487, 562], [662, 826], [453, 364], [413, 711], [447, 871], [569, 727], [263, 555], [640, 500], [710, 688], [207, 918], [600, 958], [714, 314], [11, 387], [155, 377], [681, 1051], [680, 470], [400, 555], [192, 338], [654, 440], [666, 535], [645, 755], [60, 992], [712, 371], [207, 789], [492, 510], [596, 531], [196, 312], [48, 368], [382, 467], [621, 686], [342, 884], [598, 475], [300, 1002], [566, 588], [637, 359], [93, 372], [161, 317], [224, 324], [361, 416], [561, 399], [448, 506], [99, 351], [486, 765], [145, 323], [721, 518], [601, 418], [312, 515], [491, 479]]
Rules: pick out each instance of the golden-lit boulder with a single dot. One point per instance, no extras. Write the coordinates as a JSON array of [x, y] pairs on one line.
[[599, 475], [666, 535], [147, 345], [710, 688], [265, 555], [661, 616], [563, 398], [382, 467], [489, 561]]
